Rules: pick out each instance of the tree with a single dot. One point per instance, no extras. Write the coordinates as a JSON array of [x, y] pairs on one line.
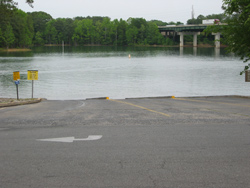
[[22, 25], [83, 32], [196, 21], [38, 39], [159, 23], [88, 28], [30, 2], [51, 33], [108, 31], [98, 32], [1, 37], [8, 36], [6, 12], [40, 19], [236, 34], [153, 34], [131, 35], [16, 25], [136, 31], [68, 30], [121, 33]]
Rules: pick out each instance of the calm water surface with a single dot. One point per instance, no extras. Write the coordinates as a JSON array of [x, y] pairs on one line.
[[89, 72]]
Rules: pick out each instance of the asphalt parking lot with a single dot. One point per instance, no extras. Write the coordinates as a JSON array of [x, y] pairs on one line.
[[150, 142]]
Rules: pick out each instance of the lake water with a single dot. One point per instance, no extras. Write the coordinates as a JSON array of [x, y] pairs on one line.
[[90, 72]]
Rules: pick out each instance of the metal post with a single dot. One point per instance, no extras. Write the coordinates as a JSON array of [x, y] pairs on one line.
[[32, 88], [17, 92]]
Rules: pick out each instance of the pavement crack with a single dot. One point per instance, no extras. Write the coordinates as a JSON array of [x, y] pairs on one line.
[[163, 164], [153, 180], [121, 164]]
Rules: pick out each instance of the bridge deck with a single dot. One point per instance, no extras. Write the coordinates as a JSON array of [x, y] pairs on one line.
[[180, 28]]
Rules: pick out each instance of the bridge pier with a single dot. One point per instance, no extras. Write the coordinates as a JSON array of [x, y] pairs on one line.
[[217, 39], [195, 34], [181, 39], [169, 34]]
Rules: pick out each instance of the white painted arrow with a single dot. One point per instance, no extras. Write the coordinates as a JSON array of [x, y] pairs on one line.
[[72, 139]]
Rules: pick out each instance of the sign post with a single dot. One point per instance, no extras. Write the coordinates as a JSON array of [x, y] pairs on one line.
[[16, 78], [32, 75]]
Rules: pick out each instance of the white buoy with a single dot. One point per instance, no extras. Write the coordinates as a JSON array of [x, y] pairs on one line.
[[129, 56]]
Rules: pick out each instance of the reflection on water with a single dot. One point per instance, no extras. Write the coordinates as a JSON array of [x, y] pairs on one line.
[[86, 72]]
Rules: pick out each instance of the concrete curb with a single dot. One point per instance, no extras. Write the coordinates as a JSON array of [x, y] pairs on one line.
[[9, 104], [161, 97], [99, 98], [167, 97]]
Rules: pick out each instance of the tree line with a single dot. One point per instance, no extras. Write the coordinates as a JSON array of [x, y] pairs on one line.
[[21, 29]]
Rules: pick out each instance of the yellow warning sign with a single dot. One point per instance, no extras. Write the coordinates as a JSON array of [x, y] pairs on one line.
[[16, 75], [32, 75]]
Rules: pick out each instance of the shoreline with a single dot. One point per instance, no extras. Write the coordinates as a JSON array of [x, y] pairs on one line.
[[16, 50], [93, 45], [7, 102]]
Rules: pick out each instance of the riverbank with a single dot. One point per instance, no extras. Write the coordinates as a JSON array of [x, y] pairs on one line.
[[142, 45], [16, 50], [6, 102], [163, 46]]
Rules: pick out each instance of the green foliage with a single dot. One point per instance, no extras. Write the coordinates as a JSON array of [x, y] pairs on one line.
[[153, 35], [158, 22], [51, 33], [131, 35], [59, 30], [6, 11], [161, 23], [121, 33], [169, 42], [194, 21], [39, 41], [117, 32], [8, 36], [39, 20], [17, 23], [23, 28], [1, 37], [237, 32], [39, 28]]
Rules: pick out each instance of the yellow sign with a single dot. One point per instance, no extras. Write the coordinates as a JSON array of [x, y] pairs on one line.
[[32, 75], [16, 75]]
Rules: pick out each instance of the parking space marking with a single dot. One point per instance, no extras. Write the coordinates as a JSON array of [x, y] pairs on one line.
[[131, 104], [193, 100]]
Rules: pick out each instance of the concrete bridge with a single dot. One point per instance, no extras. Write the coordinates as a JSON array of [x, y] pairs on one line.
[[182, 30]]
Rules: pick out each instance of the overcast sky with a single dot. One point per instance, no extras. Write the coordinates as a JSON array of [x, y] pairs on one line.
[[164, 10]]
